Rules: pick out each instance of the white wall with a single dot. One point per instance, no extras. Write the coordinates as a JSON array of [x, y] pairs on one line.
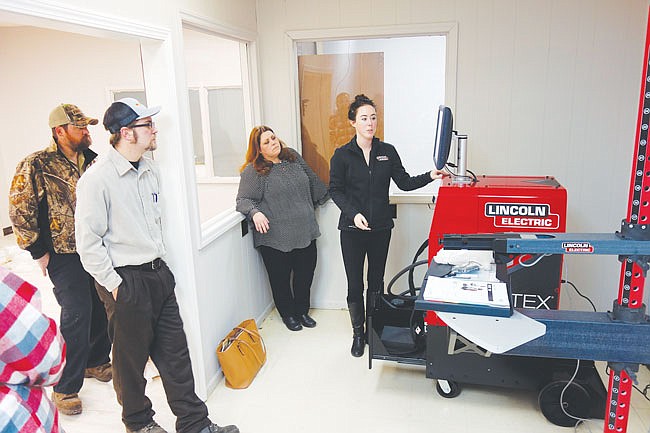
[[544, 88], [232, 286], [50, 67], [204, 69]]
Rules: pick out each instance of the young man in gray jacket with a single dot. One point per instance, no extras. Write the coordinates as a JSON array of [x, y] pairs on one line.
[[119, 238]]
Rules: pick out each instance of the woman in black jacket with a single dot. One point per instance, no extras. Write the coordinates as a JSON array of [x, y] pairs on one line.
[[360, 174]]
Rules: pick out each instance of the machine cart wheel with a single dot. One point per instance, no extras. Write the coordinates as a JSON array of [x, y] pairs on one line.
[[447, 388], [575, 402]]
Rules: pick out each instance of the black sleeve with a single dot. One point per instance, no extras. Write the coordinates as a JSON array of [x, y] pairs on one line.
[[337, 185], [402, 179]]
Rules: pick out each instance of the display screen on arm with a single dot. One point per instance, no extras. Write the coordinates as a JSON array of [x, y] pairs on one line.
[[442, 143]]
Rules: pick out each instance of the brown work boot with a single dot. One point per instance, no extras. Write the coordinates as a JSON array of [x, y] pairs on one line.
[[67, 404], [102, 373]]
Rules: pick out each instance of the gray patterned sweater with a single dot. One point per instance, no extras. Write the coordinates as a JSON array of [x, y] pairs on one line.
[[287, 196]]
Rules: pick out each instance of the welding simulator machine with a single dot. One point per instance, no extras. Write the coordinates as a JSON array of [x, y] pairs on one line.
[[491, 204], [521, 220], [507, 204], [402, 327]]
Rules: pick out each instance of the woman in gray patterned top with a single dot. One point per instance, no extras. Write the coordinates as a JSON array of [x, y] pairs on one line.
[[278, 192]]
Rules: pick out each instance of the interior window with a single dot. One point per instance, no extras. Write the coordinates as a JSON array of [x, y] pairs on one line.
[[405, 77], [221, 113], [197, 128], [227, 130]]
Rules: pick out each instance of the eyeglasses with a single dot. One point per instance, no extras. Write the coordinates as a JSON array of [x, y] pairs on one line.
[[140, 125]]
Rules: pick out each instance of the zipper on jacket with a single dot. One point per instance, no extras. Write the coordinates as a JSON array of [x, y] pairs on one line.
[[369, 217]]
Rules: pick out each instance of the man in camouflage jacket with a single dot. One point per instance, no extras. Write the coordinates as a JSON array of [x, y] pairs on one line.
[[42, 202]]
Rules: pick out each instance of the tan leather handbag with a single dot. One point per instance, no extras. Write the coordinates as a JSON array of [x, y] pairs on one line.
[[241, 354]]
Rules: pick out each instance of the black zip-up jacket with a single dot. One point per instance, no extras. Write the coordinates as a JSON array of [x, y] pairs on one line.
[[357, 187]]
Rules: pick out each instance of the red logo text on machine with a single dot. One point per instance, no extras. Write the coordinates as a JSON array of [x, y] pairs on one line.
[[577, 247], [522, 215]]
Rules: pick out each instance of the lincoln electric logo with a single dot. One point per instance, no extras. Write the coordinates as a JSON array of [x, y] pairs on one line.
[[577, 247], [522, 215]]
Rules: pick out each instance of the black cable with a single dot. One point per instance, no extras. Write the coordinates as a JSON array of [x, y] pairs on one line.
[[407, 299], [420, 250], [473, 177], [645, 391], [578, 292], [399, 274]]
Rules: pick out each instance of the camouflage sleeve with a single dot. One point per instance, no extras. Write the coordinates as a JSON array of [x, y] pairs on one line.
[[25, 194]]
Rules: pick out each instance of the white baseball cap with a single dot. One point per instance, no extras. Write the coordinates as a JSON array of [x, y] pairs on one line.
[[124, 111]]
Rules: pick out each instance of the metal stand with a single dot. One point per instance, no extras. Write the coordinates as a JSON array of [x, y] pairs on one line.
[[461, 160], [620, 337]]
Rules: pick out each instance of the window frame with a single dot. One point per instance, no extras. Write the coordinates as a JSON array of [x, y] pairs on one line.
[[447, 29], [113, 91], [204, 106], [250, 87], [214, 226]]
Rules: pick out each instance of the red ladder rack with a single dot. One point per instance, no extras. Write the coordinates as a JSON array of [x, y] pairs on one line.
[[632, 279]]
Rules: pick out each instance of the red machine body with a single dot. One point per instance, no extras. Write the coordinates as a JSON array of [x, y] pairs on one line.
[[499, 204]]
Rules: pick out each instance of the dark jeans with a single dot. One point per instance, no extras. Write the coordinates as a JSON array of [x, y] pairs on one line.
[[145, 322], [355, 246], [291, 296], [82, 322]]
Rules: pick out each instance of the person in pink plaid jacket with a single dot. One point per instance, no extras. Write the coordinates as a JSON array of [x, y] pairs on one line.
[[32, 356]]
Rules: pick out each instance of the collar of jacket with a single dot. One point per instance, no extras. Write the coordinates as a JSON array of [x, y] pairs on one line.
[[89, 155], [353, 147], [123, 166]]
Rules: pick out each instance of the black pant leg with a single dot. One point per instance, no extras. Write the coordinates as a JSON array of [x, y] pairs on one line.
[[303, 263], [74, 290], [171, 355], [131, 328], [353, 249], [278, 267], [378, 243]]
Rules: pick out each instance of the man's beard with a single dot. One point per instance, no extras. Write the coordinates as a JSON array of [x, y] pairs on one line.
[[149, 147], [152, 145], [83, 144]]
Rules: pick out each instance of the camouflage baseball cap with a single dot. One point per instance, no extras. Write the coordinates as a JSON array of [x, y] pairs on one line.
[[68, 113]]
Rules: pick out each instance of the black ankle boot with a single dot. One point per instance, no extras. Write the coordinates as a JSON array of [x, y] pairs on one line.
[[358, 345], [357, 317], [292, 323]]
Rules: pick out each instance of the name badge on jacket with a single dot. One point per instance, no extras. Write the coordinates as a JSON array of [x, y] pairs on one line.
[[382, 158]]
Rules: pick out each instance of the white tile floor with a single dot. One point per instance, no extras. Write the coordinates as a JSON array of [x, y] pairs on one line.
[[310, 383]]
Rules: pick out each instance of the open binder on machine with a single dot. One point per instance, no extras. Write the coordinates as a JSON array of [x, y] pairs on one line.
[[463, 289], [468, 296]]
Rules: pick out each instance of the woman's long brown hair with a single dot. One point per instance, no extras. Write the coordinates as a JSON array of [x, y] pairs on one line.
[[254, 154]]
